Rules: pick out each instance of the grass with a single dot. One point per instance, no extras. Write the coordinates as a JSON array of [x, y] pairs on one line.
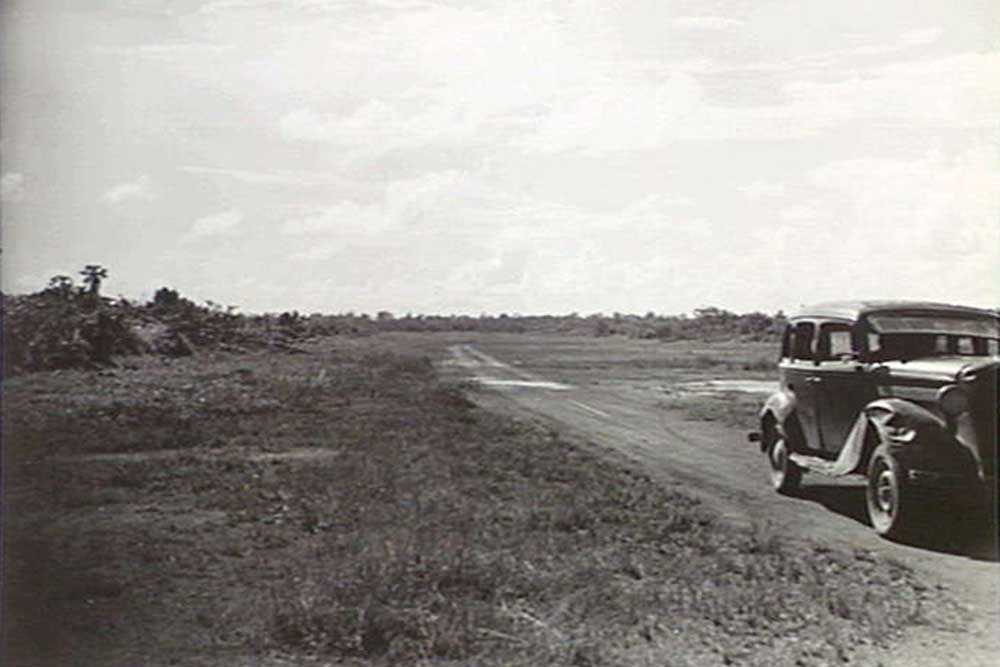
[[347, 505], [732, 408]]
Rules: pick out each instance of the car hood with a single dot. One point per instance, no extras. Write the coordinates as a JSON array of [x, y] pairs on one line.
[[944, 369]]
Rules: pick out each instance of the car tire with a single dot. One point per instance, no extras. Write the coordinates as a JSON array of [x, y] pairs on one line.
[[890, 500], [786, 476]]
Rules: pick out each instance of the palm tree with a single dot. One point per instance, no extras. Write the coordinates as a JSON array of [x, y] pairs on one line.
[[93, 274]]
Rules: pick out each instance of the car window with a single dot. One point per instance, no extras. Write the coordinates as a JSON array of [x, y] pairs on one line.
[[885, 347], [834, 341], [900, 323], [840, 343], [874, 343], [800, 341]]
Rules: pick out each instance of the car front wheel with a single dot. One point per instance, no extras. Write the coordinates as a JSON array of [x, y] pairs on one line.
[[888, 497], [785, 474]]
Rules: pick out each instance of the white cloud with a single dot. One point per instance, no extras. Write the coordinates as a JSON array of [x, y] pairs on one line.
[[289, 178], [634, 113], [920, 37], [445, 77], [466, 87], [317, 6], [453, 242], [763, 190], [166, 50], [11, 187], [137, 190], [617, 115], [382, 125], [705, 23], [929, 224], [407, 207], [497, 154], [960, 91], [909, 40], [347, 219], [219, 224]]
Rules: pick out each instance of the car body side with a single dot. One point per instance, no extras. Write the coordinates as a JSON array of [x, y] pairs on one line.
[[838, 404]]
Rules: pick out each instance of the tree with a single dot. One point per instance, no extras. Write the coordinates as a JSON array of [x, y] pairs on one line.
[[61, 286], [93, 274], [166, 297]]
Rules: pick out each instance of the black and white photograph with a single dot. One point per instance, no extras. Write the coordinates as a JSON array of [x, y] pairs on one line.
[[601, 333]]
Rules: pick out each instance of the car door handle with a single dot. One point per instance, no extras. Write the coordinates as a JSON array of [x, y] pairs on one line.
[[813, 380]]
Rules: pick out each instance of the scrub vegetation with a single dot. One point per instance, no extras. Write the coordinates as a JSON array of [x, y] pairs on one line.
[[339, 503], [70, 325]]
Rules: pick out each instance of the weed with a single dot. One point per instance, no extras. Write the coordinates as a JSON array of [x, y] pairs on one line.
[[763, 538]]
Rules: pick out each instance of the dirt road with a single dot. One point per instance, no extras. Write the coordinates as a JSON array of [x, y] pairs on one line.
[[716, 464]]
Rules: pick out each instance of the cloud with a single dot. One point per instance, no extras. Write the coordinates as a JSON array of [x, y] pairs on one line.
[[346, 218], [444, 77], [408, 207], [629, 113], [908, 40], [636, 113], [219, 224], [959, 91], [705, 23], [461, 85], [313, 6], [137, 190], [289, 178], [166, 50], [928, 223], [920, 37], [382, 124], [763, 190], [11, 187], [453, 241]]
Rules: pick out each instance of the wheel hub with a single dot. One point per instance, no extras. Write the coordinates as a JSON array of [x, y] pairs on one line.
[[885, 491], [778, 456]]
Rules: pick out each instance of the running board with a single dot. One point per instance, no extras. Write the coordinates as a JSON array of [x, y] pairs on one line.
[[848, 459], [815, 464]]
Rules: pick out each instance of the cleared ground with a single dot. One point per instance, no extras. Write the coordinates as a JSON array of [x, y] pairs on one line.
[[351, 506]]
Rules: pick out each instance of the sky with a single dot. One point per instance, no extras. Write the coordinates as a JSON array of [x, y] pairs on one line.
[[482, 156]]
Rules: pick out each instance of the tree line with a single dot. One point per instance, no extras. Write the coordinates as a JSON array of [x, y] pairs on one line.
[[70, 324]]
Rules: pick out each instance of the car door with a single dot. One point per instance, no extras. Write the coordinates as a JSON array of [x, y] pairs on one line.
[[799, 376], [843, 388]]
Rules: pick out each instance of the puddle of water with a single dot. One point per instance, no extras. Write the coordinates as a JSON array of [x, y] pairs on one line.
[[532, 384], [721, 386]]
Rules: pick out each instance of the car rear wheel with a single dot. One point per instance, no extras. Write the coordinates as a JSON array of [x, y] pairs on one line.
[[786, 476], [889, 499]]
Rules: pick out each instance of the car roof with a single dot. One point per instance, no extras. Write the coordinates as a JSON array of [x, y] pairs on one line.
[[852, 310]]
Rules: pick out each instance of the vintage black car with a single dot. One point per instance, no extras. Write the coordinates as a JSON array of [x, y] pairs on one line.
[[904, 393]]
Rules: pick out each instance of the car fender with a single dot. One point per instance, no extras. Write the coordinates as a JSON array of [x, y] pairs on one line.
[[781, 404], [779, 407], [915, 435]]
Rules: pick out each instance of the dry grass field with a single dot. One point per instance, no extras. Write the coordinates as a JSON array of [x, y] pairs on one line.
[[679, 373], [349, 506]]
